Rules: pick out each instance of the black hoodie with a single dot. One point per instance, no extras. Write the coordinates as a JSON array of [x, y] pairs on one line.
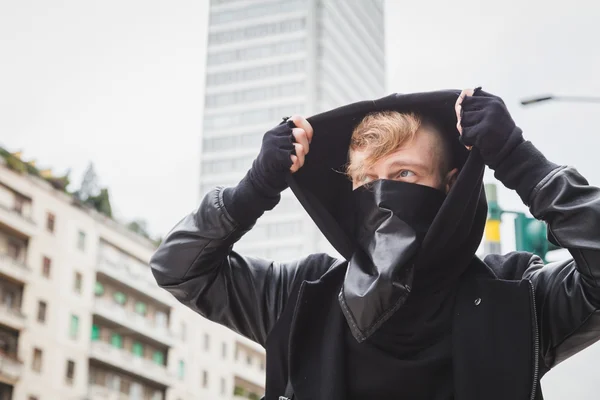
[[371, 295]]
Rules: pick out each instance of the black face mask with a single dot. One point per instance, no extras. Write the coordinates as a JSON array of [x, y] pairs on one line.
[[391, 221]]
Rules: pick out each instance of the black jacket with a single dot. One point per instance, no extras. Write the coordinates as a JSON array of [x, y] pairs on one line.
[[515, 318]]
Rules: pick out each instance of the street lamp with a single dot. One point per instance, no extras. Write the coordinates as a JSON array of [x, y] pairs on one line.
[[549, 97]]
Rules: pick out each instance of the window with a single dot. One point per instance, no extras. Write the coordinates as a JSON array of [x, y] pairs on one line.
[[95, 333], [262, 115], [262, 365], [50, 219], [9, 298], [248, 359], [181, 370], [140, 308], [77, 283], [224, 350], [206, 341], [256, 94], [257, 52], [36, 364], [253, 10], [222, 385], [160, 318], [19, 204], [98, 289], [257, 31], [205, 379], [158, 357], [255, 73], [70, 372], [41, 314], [74, 327], [14, 250], [116, 340], [33, 398], [120, 298], [138, 349], [46, 266], [81, 240]]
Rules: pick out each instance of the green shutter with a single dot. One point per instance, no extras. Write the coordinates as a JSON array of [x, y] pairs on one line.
[[74, 328], [138, 349], [140, 308], [98, 289], [120, 298], [116, 340], [158, 357], [181, 369], [95, 332]]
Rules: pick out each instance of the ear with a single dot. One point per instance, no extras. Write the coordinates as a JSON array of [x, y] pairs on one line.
[[450, 179]]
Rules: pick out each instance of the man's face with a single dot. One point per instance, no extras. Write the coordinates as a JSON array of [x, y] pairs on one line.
[[421, 161]]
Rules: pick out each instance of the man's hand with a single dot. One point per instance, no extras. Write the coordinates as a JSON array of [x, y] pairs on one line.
[[303, 134], [283, 150], [485, 123]]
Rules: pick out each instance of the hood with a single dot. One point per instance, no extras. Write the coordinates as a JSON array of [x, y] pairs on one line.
[[326, 194]]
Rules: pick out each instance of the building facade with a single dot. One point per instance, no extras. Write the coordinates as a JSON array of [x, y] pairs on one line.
[[81, 316], [268, 59]]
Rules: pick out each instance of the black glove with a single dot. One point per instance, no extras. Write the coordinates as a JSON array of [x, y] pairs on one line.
[[260, 189], [272, 166], [488, 126]]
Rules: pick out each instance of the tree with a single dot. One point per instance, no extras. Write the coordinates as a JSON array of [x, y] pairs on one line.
[[89, 185], [101, 202], [140, 227]]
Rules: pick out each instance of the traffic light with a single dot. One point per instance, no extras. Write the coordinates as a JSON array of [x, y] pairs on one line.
[[531, 236]]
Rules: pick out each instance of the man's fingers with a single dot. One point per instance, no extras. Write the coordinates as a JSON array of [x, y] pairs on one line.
[[302, 123], [458, 109], [298, 158], [301, 137]]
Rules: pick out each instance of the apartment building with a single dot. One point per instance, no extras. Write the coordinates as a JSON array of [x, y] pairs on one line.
[[81, 316]]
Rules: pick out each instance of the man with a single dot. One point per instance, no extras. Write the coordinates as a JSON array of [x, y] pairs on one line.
[[411, 313]]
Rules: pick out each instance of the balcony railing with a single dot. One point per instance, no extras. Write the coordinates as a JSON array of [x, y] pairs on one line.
[[13, 268], [12, 316], [133, 321], [125, 360], [18, 221], [10, 367], [137, 277], [21, 214]]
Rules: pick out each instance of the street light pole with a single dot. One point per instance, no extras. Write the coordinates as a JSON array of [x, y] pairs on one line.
[[550, 97]]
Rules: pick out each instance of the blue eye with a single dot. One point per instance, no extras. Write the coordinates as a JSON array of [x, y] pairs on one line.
[[406, 173]]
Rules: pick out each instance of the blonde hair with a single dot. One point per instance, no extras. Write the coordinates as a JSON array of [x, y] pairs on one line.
[[382, 133]]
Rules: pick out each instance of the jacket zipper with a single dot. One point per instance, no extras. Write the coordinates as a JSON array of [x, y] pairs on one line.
[[290, 396], [536, 344]]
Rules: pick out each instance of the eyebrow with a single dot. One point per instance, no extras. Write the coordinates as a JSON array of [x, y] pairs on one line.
[[399, 164]]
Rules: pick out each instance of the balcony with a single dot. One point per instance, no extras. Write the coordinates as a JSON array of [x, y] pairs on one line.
[[97, 392], [137, 278], [12, 317], [17, 221], [13, 268], [128, 362], [133, 321], [10, 369], [250, 373]]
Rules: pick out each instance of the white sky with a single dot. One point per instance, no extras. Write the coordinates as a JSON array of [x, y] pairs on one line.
[[120, 83]]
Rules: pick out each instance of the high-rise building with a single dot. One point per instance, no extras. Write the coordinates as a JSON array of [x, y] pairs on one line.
[[268, 59], [82, 318]]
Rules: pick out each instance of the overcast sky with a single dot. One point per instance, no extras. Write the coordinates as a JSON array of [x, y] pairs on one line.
[[120, 83]]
